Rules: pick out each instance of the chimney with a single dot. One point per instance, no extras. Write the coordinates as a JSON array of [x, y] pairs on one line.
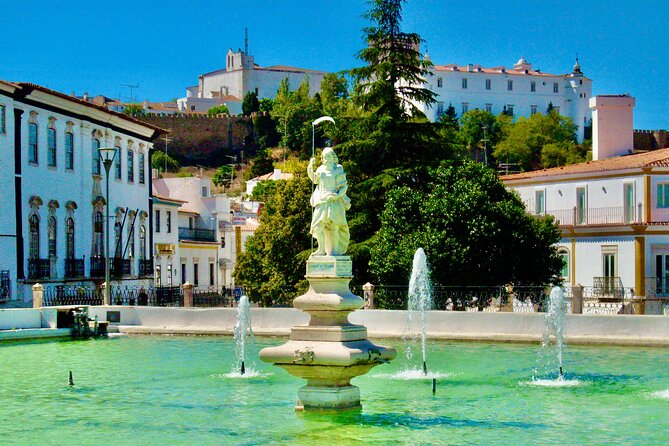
[[612, 125]]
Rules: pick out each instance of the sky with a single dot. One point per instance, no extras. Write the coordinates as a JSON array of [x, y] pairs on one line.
[[162, 46]]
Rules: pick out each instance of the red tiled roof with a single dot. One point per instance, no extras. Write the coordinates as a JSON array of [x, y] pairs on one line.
[[492, 70], [655, 158]]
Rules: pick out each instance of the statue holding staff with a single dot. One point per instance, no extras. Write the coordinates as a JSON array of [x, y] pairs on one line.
[[330, 203]]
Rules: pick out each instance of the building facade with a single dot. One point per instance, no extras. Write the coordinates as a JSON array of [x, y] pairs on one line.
[[519, 91], [52, 181]]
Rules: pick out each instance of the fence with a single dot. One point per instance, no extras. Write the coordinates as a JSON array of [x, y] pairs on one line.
[[210, 297], [119, 295]]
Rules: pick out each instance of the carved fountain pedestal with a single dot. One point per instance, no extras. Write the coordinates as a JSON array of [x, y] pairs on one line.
[[329, 351]]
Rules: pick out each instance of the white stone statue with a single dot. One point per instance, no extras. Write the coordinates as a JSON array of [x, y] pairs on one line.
[[330, 203]]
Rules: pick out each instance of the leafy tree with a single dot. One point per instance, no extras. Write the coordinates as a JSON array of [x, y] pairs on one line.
[[262, 164], [550, 108], [263, 191], [250, 103], [333, 95], [134, 110], [473, 230], [477, 126], [293, 111], [160, 159], [218, 110], [272, 268], [265, 105], [222, 175]]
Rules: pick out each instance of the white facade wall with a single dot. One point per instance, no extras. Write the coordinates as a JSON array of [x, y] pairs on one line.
[[7, 216], [613, 126], [166, 237], [572, 96]]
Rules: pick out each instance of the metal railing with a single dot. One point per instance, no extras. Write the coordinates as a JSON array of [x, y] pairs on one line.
[[596, 216], [5, 288], [145, 267], [97, 267], [71, 295], [39, 268], [57, 295], [74, 268], [198, 235], [211, 297]]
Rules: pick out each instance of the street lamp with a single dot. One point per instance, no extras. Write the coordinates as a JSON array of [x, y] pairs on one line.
[[107, 155]]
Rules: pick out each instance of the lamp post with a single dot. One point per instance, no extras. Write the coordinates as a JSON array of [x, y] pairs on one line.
[[107, 155]]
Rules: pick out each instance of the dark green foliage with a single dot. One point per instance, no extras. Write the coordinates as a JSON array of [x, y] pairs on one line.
[[262, 164], [472, 229], [218, 110], [160, 159], [134, 110], [293, 112], [250, 103], [223, 175], [273, 266]]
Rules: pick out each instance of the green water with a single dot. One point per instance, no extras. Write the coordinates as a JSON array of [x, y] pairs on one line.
[[171, 390]]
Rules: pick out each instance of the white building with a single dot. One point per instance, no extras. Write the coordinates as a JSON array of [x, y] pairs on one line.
[[51, 187], [613, 211], [521, 91], [272, 176], [240, 76], [198, 236]]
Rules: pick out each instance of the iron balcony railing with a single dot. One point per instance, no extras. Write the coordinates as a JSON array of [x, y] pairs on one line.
[[39, 268], [117, 267], [74, 268], [197, 235], [145, 267], [97, 267], [596, 216]]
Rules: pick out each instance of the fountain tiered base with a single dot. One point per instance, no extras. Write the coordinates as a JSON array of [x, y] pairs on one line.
[[329, 351]]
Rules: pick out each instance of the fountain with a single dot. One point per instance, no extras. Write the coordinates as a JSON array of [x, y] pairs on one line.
[[420, 301], [554, 328], [242, 330], [329, 351]]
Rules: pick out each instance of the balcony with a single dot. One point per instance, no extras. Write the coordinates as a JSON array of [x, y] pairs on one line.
[[616, 215], [197, 235], [74, 268], [145, 267], [39, 269], [97, 266], [117, 267]]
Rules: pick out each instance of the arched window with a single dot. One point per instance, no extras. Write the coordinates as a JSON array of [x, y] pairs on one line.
[[32, 143], [52, 236], [563, 253], [142, 242], [131, 166], [34, 236], [96, 157], [131, 241], [69, 150], [51, 145], [117, 162], [117, 240], [69, 238], [141, 168], [98, 235]]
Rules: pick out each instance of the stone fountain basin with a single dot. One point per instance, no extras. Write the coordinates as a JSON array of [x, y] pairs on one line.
[[337, 354]]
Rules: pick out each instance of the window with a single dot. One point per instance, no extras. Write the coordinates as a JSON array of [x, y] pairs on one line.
[[488, 108], [32, 143], [157, 220], [539, 202], [196, 282], [51, 146], [131, 241], [34, 236], [183, 271], [581, 206], [69, 238], [168, 222], [440, 108], [663, 195], [609, 262], [3, 119], [464, 83], [131, 166], [141, 168], [118, 242], [52, 237], [98, 235], [211, 274], [564, 256], [465, 107], [169, 275], [533, 109], [440, 82], [69, 151], [509, 109], [662, 273], [190, 222], [533, 86], [204, 191], [629, 199], [509, 85], [96, 157], [556, 87], [117, 162], [488, 84], [142, 242], [158, 275]]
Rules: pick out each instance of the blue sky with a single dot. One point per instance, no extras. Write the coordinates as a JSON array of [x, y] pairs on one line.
[[98, 46]]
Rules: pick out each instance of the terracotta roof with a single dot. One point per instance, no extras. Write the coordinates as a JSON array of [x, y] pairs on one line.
[[188, 211], [165, 198], [655, 158], [289, 68], [494, 70], [30, 86]]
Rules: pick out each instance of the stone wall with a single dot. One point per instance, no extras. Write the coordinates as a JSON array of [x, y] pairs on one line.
[[651, 139], [204, 140]]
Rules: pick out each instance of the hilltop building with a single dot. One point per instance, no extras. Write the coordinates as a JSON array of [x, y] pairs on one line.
[[520, 91], [613, 211], [52, 227]]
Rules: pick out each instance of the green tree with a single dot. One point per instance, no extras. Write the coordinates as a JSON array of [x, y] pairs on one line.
[[479, 130], [250, 103], [293, 111], [218, 110], [473, 230], [134, 110], [222, 176], [272, 268], [160, 160], [262, 164]]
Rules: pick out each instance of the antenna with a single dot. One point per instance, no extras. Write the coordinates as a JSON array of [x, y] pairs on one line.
[[131, 98]]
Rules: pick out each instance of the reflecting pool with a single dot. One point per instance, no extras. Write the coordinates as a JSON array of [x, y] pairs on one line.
[[180, 390]]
